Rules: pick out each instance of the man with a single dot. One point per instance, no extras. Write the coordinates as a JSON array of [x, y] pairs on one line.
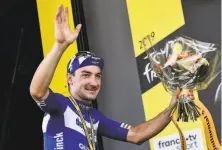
[[71, 123]]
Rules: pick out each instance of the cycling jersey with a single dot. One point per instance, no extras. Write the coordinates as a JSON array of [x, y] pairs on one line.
[[62, 127]]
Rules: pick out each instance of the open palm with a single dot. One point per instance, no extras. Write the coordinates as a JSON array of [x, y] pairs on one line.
[[63, 32]]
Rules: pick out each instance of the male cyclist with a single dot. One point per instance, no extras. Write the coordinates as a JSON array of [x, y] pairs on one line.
[[71, 123]]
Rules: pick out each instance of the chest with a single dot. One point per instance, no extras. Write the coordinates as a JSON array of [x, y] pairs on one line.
[[72, 120]]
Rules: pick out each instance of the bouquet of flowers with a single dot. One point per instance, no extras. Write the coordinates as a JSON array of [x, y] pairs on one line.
[[189, 65]]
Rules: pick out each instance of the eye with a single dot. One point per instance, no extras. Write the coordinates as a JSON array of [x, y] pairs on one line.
[[99, 76], [85, 75]]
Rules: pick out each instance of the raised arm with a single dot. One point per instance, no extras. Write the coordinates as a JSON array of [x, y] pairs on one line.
[[39, 88], [149, 129]]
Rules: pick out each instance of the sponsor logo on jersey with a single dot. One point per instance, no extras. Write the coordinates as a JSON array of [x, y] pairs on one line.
[[59, 141], [83, 147], [41, 103], [73, 121]]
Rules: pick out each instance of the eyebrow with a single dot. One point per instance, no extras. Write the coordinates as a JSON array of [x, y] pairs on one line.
[[99, 73], [85, 71]]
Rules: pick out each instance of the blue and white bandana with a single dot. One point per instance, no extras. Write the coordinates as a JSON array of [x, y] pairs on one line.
[[78, 61]]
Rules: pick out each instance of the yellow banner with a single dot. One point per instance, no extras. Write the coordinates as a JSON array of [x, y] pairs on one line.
[[156, 100], [153, 18], [46, 12], [209, 128]]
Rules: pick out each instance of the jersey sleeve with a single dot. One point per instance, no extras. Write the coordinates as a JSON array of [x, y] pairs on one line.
[[53, 104], [112, 129]]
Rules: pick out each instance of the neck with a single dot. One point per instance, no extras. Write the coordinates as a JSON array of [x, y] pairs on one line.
[[88, 102]]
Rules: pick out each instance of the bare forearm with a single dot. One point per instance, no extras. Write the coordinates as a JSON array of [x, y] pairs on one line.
[[149, 129], [44, 73]]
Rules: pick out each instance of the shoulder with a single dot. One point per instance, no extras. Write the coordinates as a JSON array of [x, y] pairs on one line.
[[60, 97], [96, 113]]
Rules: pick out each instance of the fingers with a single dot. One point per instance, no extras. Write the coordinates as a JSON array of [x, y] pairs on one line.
[[77, 30], [62, 15], [59, 10], [78, 27], [59, 14], [190, 95], [177, 93], [66, 16], [178, 90]]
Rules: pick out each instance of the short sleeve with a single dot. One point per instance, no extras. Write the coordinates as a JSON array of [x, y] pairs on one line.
[[112, 129], [54, 104]]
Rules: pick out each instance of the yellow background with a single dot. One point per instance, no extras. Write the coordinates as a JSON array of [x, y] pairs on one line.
[[159, 16], [162, 17], [156, 100], [46, 12]]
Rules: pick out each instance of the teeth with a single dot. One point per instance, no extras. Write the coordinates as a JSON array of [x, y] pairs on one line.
[[90, 89]]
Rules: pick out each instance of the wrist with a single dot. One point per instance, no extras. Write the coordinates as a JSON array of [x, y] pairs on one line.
[[172, 104], [61, 47], [169, 109], [61, 44]]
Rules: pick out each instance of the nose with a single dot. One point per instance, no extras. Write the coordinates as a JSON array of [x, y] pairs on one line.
[[94, 81]]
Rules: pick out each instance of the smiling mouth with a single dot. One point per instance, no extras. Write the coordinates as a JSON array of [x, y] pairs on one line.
[[91, 90]]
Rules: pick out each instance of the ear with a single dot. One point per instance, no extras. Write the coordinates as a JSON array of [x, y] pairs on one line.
[[69, 79]]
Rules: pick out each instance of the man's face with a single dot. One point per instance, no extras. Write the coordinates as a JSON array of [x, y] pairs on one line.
[[86, 83]]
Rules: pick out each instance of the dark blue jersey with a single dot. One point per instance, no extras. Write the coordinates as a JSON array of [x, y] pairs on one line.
[[63, 129]]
